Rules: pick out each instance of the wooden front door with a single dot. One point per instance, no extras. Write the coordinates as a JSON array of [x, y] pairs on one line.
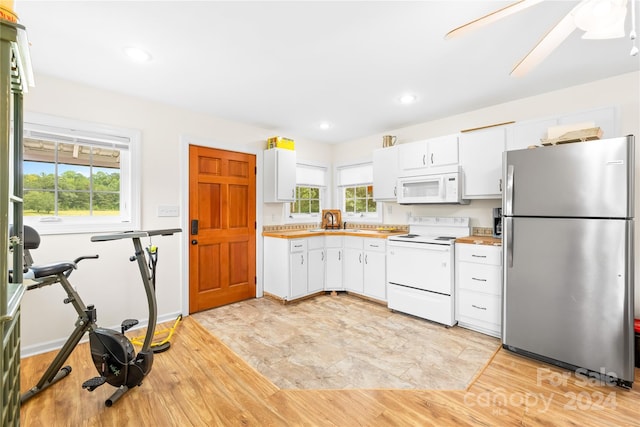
[[222, 220]]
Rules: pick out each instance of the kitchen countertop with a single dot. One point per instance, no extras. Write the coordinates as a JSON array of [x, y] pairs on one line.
[[296, 234], [480, 240]]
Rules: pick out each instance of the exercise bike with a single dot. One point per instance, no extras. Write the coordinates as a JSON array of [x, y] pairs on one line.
[[111, 351]]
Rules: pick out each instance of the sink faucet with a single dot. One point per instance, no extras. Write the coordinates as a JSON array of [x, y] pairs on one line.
[[332, 217]]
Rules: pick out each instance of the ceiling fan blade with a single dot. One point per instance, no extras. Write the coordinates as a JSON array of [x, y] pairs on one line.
[[491, 17], [546, 45]]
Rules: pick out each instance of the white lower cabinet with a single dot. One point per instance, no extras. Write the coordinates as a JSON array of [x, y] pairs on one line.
[[375, 268], [298, 268], [333, 265], [479, 287], [353, 264], [294, 268], [365, 266], [316, 255]]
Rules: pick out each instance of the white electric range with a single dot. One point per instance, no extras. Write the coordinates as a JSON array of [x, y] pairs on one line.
[[420, 268]]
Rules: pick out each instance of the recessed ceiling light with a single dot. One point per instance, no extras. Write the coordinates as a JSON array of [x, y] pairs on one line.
[[408, 99], [137, 54], [325, 125]]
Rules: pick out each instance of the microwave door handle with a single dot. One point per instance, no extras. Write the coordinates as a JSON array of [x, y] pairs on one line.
[[508, 194], [441, 192]]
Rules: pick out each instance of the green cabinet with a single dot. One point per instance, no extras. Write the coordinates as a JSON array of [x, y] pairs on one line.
[[15, 77]]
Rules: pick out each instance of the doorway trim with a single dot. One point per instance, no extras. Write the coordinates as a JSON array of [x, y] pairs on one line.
[[185, 142]]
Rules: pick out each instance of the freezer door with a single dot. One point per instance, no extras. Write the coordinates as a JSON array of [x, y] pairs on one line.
[[591, 179], [568, 292]]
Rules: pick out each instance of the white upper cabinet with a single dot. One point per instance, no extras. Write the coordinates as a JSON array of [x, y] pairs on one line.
[[443, 151], [416, 157], [481, 162], [279, 175], [385, 173]]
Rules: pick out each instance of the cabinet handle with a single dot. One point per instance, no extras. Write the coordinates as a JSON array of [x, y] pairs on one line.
[[365, 259], [424, 156], [301, 259], [322, 258], [479, 308], [360, 259], [374, 246], [479, 280], [478, 256], [395, 190], [339, 255], [431, 158], [500, 184]]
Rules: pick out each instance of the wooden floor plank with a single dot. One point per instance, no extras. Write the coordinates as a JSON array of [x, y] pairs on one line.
[[199, 381]]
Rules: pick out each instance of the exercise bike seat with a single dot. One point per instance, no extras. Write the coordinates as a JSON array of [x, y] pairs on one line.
[[52, 269]]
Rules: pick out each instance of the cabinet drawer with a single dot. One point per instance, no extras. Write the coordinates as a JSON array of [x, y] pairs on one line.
[[298, 245], [480, 278], [373, 244], [479, 253], [486, 308]]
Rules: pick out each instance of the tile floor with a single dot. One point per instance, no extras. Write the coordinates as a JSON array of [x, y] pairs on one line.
[[345, 342]]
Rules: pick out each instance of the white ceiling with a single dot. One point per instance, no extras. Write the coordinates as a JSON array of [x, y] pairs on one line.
[[288, 66]]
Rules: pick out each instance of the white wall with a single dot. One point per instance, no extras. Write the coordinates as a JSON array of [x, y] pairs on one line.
[[113, 284]]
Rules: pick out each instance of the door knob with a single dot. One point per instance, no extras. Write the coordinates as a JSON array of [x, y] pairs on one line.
[[194, 242]]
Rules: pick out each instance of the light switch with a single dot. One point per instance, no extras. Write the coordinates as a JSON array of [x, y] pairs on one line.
[[168, 210]]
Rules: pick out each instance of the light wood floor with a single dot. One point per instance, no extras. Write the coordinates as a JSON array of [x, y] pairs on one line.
[[200, 382]]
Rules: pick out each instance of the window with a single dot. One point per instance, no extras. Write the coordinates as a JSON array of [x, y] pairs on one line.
[[307, 201], [78, 176], [359, 200], [310, 189], [355, 191]]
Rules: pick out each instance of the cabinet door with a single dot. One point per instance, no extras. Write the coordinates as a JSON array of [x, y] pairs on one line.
[[353, 272], [298, 278], [375, 278], [286, 176], [316, 270], [385, 173], [443, 151], [481, 163], [279, 175], [333, 271], [412, 156]]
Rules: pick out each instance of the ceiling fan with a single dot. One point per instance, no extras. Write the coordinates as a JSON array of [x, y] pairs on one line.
[[599, 19]]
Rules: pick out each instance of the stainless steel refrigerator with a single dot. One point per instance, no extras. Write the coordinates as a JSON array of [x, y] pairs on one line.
[[568, 259]]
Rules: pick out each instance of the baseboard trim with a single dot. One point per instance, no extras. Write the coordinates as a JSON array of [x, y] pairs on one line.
[[45, 347]]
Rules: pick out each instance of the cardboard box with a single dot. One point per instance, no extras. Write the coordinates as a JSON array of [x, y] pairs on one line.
[[280, 142]]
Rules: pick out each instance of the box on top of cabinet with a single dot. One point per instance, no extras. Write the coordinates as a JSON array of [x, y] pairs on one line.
[[280, 142]]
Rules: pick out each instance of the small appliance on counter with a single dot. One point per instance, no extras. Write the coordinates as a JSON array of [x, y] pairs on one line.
[[497, 223]]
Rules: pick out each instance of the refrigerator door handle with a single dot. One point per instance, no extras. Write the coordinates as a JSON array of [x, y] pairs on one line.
[[508, 196], [508, 234]]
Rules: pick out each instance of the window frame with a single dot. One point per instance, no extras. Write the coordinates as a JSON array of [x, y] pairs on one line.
[[308, 217], [130, 168], [340, 188]]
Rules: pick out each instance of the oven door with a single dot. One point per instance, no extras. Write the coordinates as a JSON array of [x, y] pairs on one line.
[[424, 266]]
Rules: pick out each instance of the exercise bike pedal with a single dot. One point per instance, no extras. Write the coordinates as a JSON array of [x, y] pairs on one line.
[[94, 383], [128, 324]]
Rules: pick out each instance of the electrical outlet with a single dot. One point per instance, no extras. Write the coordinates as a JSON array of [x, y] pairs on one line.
[[168, 210]]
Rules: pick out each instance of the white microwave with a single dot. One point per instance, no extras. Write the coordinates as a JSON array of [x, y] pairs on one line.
[[432, 188]]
